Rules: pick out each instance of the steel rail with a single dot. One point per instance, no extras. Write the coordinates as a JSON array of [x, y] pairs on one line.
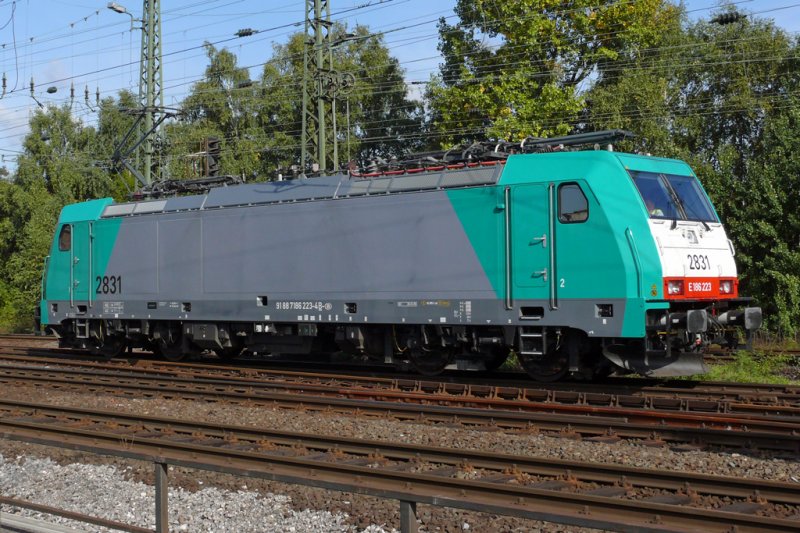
[[601, 425], [324, 462]]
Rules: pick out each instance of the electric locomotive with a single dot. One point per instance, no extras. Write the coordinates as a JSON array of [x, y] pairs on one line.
[[579, 259]]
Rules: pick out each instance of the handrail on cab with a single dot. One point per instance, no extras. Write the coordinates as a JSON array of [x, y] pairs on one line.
[[636, 261]]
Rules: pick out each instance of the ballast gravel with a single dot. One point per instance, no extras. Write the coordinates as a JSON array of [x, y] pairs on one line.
[[103, 491]]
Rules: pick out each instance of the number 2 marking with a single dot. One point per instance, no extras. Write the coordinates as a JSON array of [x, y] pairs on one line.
[[562, 283]]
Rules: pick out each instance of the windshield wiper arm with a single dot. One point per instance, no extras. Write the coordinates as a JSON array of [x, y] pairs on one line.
[[681, 206], [675, 199]]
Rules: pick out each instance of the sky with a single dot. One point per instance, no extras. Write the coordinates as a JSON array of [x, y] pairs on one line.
[[82, 43]]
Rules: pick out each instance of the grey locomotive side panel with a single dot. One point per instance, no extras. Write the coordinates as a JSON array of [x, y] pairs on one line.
[[135, 258], [382, 247], [180, 253]]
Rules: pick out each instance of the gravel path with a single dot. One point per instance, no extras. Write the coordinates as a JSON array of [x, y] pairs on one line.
[[360, 511]]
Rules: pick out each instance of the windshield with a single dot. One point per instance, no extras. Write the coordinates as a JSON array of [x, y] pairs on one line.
[[673, 197]]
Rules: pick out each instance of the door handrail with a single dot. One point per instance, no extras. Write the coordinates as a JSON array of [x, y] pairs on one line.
[[72, 266], [91, 246], [552, 229], [507, 207]]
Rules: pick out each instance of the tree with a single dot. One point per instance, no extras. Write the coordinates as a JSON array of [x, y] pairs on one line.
[[58, 155], [384, 121], [517, 68], [221, 105], [57, 167]]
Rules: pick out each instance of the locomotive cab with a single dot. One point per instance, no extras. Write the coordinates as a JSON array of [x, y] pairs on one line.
[[699, 274]]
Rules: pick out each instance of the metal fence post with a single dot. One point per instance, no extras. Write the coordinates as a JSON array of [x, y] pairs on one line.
[[162, 491], [408, 517]]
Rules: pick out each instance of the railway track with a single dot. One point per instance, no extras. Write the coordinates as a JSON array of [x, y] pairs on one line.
[[504, 384], [581, 494], [654, 420], [684, 395]]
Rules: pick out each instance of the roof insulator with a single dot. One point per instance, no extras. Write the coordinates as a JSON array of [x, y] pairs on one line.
[[728, 18]]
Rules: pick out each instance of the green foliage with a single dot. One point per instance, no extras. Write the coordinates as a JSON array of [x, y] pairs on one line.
[[516, 68], [512, 364], [384, 121], [115, 119], [222, 105], [58, 167], [259, 122]]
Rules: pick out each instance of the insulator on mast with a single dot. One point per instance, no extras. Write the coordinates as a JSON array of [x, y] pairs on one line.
[[86, 98], [728, 18]]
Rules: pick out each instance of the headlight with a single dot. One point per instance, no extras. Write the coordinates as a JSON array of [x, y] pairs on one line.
[[726, 286], [675, 286]]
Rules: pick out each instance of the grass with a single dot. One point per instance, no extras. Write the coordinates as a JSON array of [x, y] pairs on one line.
[[755, 367], [511, 364], [747, 367]]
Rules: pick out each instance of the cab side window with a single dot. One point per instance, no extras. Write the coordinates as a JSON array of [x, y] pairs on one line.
[[65, 238], [572, 204]]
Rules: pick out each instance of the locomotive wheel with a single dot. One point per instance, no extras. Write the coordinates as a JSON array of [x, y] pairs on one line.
[[111, 347], [430, 362], [171, 351], [546, 368]]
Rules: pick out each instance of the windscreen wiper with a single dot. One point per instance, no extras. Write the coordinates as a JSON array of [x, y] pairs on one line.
[[675, 199]]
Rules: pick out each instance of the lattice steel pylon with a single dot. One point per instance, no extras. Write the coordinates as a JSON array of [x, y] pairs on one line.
[[151, 80], [316, 61]]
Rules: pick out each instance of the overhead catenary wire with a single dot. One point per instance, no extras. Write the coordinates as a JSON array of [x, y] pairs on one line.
[[698, 109], [228, 39], [619, 66]]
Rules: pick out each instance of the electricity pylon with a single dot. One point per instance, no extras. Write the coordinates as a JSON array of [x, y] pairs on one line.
[[150, 83], [316, 61]]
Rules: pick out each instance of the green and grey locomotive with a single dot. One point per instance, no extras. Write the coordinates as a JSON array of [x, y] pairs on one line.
[[581, 261]]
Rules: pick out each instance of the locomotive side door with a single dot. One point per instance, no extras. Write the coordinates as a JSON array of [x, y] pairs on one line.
[[81, 264], [530, 239]]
